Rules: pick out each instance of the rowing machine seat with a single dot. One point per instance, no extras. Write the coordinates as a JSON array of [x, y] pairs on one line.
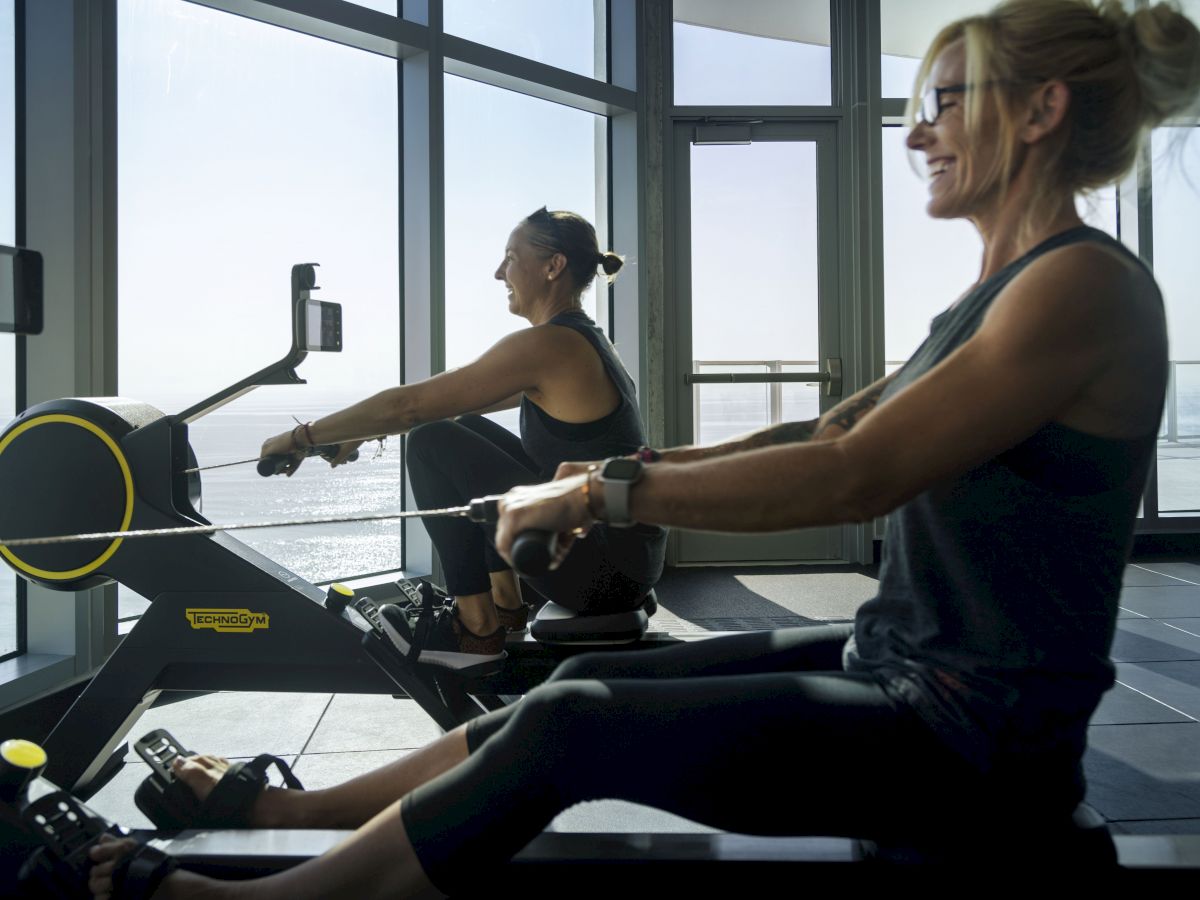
[[556, 624]]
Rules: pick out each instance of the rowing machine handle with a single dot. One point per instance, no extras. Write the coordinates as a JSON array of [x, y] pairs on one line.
[[532, 550], [275, 463]]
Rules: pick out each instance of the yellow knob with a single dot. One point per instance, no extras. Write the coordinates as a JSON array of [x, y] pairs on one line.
[[23, 754]]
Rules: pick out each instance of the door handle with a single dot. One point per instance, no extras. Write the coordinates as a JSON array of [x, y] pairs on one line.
[[830, 379]]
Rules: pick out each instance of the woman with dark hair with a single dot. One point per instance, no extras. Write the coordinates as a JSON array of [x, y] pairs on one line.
[[576, 401], [1009, 454]]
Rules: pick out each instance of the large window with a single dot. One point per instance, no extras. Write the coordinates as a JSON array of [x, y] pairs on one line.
[[536, 154], [8, 224], [567, 34], [906, 29], [246, 148], [1175, 154], [770, 189], [1176, 196], [927, 263], [767, 53]]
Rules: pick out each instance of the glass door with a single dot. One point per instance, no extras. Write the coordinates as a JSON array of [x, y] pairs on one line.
[[758, 336]]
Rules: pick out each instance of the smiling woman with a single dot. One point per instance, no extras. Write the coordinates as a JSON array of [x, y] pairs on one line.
[[1059, 57]]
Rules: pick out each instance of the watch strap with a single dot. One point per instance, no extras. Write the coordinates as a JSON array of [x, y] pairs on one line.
[[617, 493]]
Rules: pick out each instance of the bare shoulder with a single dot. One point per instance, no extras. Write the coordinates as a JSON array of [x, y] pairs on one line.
[[1109, 280], [1089, 316], [540, 337], [543, 351], [563, 342], [523, 345], [1083, 291]]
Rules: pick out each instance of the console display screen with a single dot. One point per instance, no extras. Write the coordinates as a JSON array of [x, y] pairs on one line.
[[20, 291], [323, 326]]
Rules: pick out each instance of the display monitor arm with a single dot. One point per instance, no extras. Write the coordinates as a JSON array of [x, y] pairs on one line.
[[316, 325]]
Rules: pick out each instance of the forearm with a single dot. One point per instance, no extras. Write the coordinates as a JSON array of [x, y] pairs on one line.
[[833, 423], [786, 433], [769, 489], [392, 411], [843, 417]]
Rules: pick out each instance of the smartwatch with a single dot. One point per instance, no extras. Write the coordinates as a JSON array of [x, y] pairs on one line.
[[617, 477]]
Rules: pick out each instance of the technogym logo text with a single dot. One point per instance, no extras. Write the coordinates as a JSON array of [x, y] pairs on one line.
[[228, 620]]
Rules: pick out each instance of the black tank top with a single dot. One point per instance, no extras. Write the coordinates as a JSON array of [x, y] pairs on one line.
[[638, 552], [998, 589]]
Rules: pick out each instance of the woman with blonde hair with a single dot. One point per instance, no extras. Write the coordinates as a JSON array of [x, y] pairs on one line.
[[1009, 455]]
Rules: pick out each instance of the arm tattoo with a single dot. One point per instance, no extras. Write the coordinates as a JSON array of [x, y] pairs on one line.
[[846, 416], [787, 433]]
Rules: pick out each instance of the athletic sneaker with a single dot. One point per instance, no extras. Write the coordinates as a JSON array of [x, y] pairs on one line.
[[514, 621], [437, 637]]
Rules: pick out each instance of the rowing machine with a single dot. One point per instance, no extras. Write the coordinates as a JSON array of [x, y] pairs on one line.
[[222, 616]]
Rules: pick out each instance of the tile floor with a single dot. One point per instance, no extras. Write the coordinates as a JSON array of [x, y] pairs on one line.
[[1143, 764], [1143, 761]]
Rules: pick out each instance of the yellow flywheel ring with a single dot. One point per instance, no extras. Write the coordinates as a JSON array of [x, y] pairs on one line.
[[112, 548]]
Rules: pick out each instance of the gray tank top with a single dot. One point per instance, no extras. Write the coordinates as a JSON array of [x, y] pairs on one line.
[[998, 589], [637, 552]]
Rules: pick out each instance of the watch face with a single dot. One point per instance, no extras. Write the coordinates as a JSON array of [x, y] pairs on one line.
[[622, 469]]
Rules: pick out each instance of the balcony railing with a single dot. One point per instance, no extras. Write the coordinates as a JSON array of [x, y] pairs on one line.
[[1177, 427], [1181, 412]]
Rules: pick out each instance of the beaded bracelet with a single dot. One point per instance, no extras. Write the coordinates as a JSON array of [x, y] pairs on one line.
[[306, 428]]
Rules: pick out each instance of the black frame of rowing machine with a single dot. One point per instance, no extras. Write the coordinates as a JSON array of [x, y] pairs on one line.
[[163, 651], [298, 650]]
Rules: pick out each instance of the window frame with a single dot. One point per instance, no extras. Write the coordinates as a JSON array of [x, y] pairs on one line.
[[67, 636], [18, 373]]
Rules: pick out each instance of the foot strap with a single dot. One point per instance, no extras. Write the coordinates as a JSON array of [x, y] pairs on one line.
[[139, 874], [68, 830], [415, 630], [169, 803], [233, 796]]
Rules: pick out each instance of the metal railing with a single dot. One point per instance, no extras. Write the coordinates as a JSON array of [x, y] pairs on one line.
[[774, 376], [771, 375], [1170, 424]]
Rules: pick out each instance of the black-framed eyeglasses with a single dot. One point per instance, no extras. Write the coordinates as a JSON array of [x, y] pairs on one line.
[[931, 106]]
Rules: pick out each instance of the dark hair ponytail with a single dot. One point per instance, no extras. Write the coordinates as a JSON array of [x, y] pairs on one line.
[[573, 236]]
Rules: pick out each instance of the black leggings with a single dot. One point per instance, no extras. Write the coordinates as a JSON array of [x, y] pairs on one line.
[[450, 463], [759, 733]]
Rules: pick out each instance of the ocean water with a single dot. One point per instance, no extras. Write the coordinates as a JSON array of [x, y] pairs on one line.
[[371, 486], [238, 495]]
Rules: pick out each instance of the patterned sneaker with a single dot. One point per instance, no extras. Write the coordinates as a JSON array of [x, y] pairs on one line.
[[438, 637], [514, 621]]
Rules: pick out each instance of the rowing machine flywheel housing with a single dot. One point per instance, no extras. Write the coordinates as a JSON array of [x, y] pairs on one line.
[[65, 469]]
